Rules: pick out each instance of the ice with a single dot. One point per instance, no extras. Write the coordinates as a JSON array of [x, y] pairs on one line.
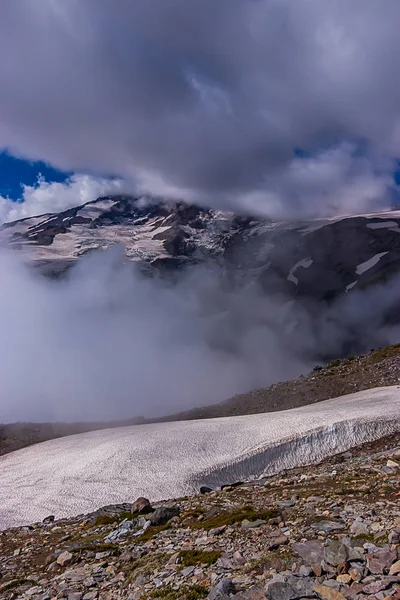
[[305, 263], [383, 225], [80, 473], [368, 264]]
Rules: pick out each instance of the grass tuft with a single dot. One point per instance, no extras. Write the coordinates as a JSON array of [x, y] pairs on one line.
[[109, 519], [194, 592], [195, 557], [152, 531], [235, 516], [10, 585]]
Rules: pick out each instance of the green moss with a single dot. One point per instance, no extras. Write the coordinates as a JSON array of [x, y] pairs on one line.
[[196, 512], [95, 548], [280, 561], [383, 353], [13, 584], [333, 364], [235, 516], [190, 593], [109, 519], [152, 531], [195, 557], [364, 537], [145, 566]]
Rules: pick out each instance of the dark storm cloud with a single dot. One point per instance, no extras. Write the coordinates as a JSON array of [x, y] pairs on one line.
[[208, 99]]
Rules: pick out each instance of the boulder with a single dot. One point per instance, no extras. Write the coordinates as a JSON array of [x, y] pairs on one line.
[[162, 515], [64, 559], [141, 506]]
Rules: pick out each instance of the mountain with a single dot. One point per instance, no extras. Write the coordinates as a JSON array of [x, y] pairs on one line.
[[320, 259]]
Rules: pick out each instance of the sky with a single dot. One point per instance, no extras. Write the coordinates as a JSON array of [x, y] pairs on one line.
[[206, 101]]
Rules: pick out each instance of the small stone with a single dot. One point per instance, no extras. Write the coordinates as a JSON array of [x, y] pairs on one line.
[[254, 593], [327, 526], [305, 571], [252, 524], [356, 573], [394, 537], [282, 540], [359, 528], [335, 553], [187, 571], [395, 568], [376, 586], [141, 506], [64, 559], [392, 464], [75, 596], [317, 569], [312, 551], [328, 593], [49, 519], [345, 578], [90, 595], [381, 561], [101, 555]]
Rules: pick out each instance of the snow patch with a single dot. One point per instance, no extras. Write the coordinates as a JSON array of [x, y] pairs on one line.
[[383, 225], [80, 473], [351, 285], [304, 263], [368, 264]]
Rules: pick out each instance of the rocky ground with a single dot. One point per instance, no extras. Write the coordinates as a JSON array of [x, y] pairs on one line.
[[378, 368], [329, 532]]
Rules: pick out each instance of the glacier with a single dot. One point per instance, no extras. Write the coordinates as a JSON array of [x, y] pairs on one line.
[[80, 473]]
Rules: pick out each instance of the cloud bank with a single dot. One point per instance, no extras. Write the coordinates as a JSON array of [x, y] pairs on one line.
[[108, 342], [52, 197], [210, 101]]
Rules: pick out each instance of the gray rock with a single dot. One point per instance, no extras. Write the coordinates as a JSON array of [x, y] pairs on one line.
[[305, 571], [327, 526], [335, 553], [394, 536], [222, 591], [252, 524], [312, 551], [255, 593], [289, 588], [379, 562], [162, 515], [90, 595], [64, 559], [359, 528], [48, 520]]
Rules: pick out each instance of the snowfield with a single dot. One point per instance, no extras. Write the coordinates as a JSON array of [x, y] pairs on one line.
[[80, 473]]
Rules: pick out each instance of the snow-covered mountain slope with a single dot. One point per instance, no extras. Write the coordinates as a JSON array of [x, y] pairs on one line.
[[319, 259], [81, 472]]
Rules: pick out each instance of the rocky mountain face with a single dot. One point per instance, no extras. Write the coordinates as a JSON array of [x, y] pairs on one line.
[[321, 259]]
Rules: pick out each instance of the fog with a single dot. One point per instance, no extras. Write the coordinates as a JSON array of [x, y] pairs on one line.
[[109, 342]]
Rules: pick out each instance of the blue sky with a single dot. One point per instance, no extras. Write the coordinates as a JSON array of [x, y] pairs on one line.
[[14, 172]]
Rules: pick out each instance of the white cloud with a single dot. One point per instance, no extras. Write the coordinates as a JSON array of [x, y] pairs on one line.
[[207, 100], [45, 196]]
